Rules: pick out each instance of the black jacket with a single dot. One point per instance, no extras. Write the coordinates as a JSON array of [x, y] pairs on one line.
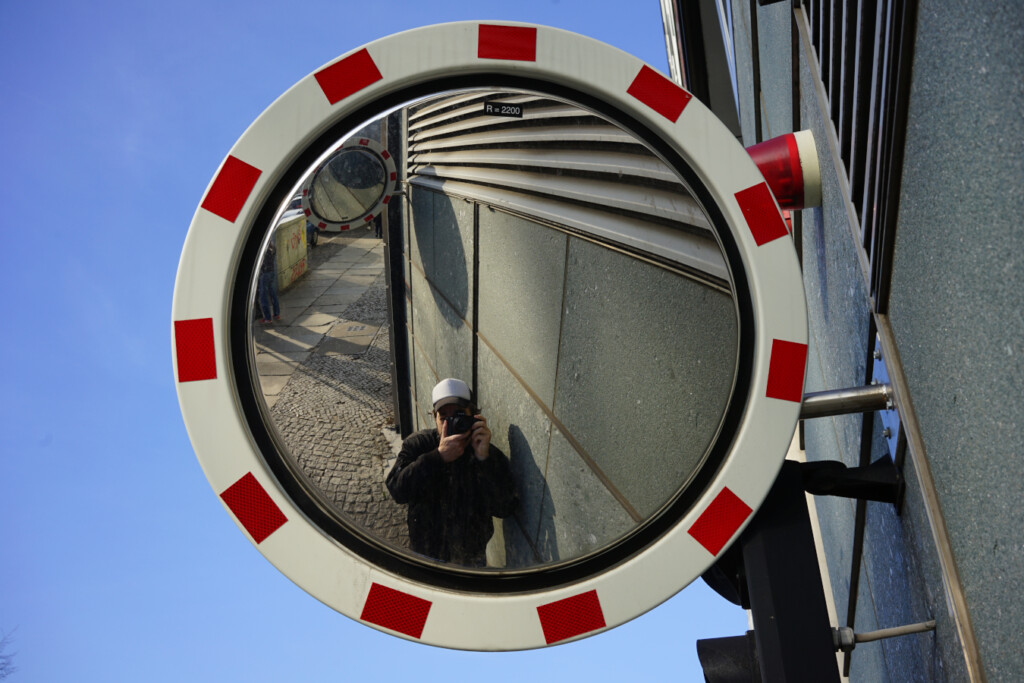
[[450, 504]]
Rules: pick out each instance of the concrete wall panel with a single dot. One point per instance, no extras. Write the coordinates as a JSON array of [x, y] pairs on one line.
[[582, 516], [453, 353], [522, 267], [773, 27], [646, 367], [956, 305], [421, 236], [744, 69], [451, 273], [425, 380], [521, 429]]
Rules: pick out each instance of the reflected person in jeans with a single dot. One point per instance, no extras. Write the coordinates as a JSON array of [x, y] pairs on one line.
[[268, 286], [453, 480]]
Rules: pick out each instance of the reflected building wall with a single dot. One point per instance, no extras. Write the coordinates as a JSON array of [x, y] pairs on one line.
[[290, 242], [602, 375]]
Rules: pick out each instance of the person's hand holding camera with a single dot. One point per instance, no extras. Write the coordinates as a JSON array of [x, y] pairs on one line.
[[452, 446], [480, 438]]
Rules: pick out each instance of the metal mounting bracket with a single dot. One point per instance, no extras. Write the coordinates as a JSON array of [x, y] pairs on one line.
[[845, 401], [845, 639], [880, 481]]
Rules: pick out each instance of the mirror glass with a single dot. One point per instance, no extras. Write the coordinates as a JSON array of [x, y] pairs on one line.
[[347, 186], [551, 261]]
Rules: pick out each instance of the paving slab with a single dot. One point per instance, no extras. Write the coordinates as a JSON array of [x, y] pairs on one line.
[[327, 273], [333, 309], [273, 384], [353, 328], [311, 288], [344, 286], [319, 329], [297, 299], [349, 346], [287, 340], [315, 319], [267, 365], [293, 356], [350, 279], [349, 297], [348, 256]]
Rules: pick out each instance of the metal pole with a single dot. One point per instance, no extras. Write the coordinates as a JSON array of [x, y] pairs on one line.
[[394, 269], [870, 636], [846, 640], [843, 401]]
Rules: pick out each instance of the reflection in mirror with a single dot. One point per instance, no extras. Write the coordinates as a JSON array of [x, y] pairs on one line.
[[556, 265], [347, 186]]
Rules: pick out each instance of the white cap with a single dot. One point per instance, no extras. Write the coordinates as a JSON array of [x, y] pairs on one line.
[[449, 391]]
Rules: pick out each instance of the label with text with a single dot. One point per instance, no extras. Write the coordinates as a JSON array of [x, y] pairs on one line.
[[503, 109]]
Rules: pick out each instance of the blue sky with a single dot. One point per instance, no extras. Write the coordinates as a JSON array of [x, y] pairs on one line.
[[118, 562]]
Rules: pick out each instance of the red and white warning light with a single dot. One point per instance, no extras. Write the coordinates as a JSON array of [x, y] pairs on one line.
[[789, 164]]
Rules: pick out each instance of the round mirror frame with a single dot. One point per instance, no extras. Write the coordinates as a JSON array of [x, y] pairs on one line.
[[387, 163], [344, 580]]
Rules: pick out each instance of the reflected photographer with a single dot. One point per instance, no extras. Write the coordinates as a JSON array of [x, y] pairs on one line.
[[453, 480]]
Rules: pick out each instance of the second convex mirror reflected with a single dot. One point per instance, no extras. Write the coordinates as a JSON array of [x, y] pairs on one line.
[[601, 370], [347, 186]]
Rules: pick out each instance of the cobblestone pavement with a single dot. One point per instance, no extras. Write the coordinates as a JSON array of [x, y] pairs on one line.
[[326, 377]]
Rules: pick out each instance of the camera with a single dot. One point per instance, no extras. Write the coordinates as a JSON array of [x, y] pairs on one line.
[[459, 424]]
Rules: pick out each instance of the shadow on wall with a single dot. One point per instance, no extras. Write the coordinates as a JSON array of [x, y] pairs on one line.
[[525, 547], [442, 226]]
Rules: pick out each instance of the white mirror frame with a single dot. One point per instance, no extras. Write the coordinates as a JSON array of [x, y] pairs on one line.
[[341, 578]]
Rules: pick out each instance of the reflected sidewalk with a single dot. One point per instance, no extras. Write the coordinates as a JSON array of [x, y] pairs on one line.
[[315, 308], [325, 373]]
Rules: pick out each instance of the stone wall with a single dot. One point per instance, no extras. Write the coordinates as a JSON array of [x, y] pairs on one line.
[[954, 309]]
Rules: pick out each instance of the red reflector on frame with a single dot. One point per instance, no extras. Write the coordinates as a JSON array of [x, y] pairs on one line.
[[396, 610], [717, 524], [762, 216], [570, 617], [348, 76], [507, 42], [231, 188], [659, 93], [249, 502], [786, 371], [193, 347]]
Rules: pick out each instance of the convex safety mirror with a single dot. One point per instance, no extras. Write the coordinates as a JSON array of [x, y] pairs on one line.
[[352, 186], [555, 224]]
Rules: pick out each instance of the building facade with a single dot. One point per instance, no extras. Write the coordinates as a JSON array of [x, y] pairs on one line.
[[913, 277]]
